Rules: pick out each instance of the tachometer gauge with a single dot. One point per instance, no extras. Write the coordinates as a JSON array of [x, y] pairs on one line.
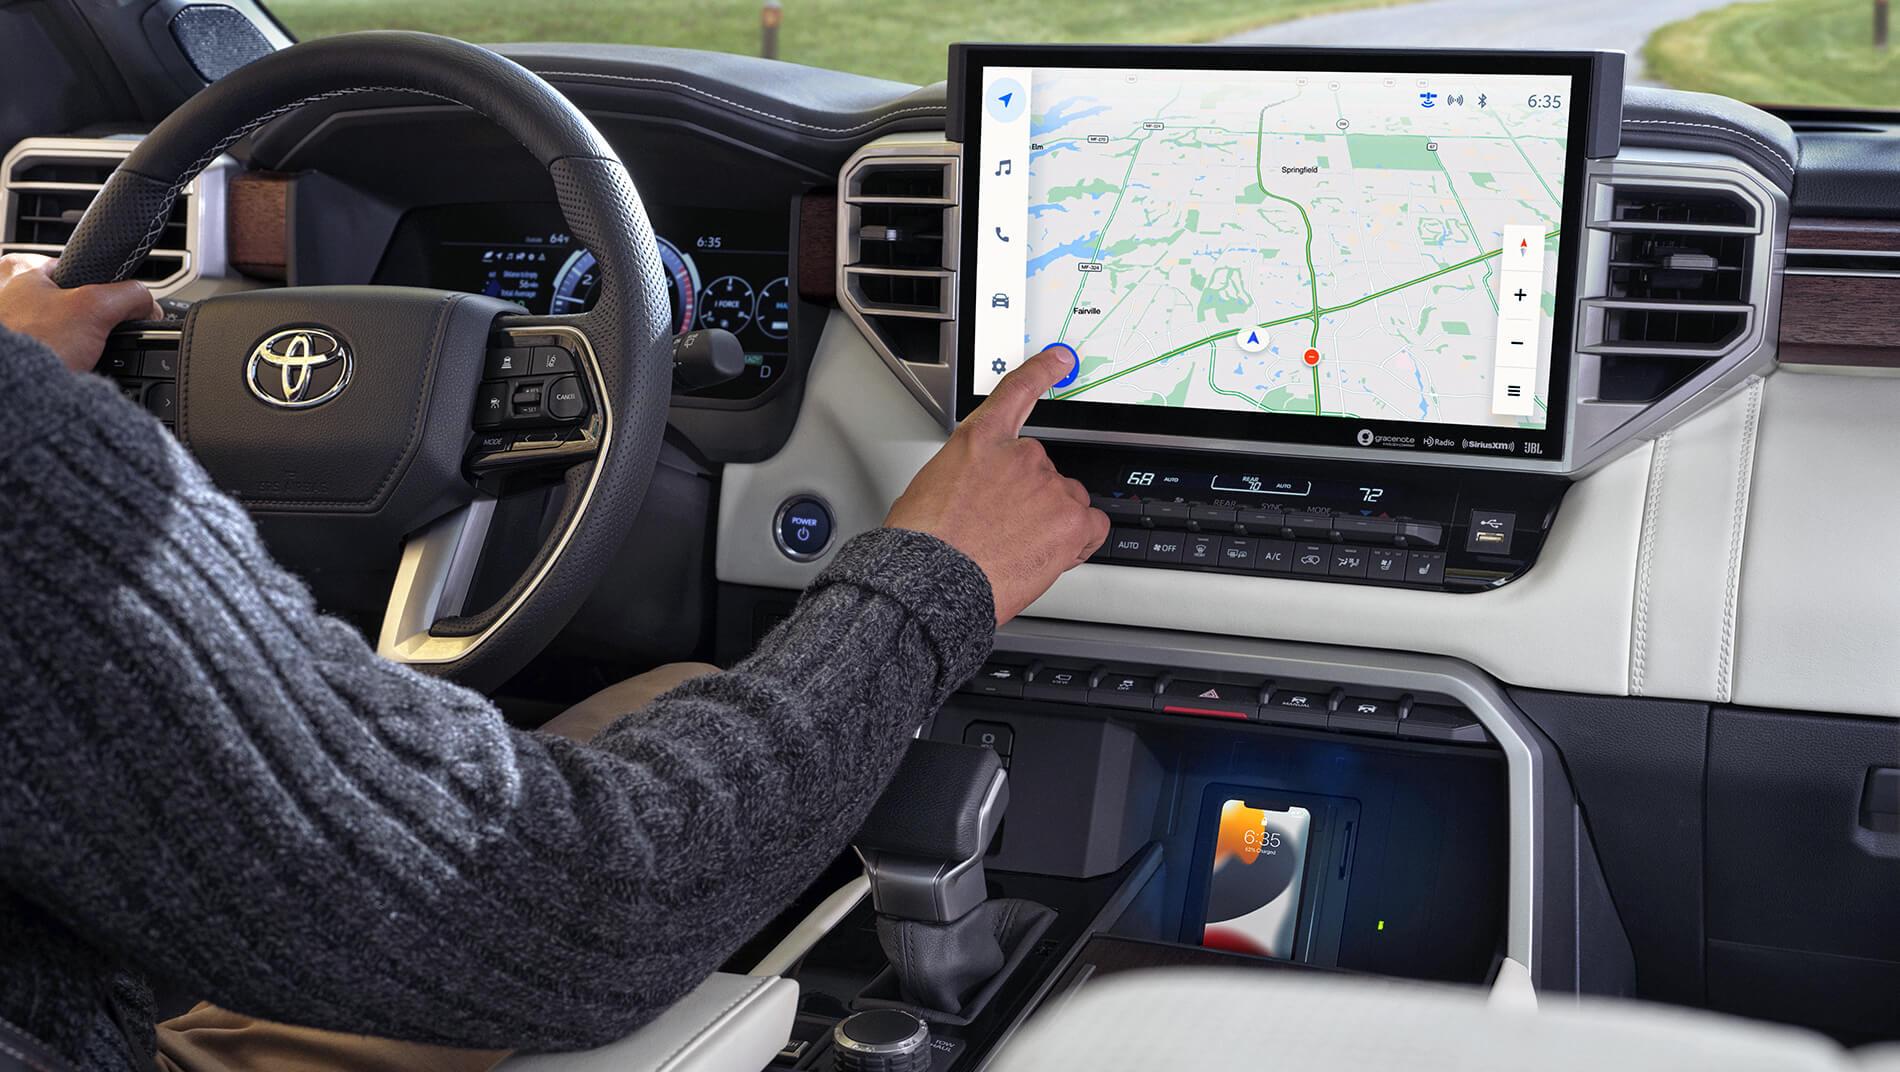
[[727, 302], [775, 308], [578, 280]]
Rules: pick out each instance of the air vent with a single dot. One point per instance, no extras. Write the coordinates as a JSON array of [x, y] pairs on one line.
[[46, 185], [897, 258], [1677, 290]]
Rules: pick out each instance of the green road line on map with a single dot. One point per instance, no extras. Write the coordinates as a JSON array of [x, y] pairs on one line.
[[1231, 332], [1219, 390], [1527, 160], [1101, 236], [1312, 273], [1473, 228]]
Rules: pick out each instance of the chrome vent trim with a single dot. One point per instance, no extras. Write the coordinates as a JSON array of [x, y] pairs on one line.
[[200, 207], [906, 310], [1599, 426]]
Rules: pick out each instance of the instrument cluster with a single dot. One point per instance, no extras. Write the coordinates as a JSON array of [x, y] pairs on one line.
[[724, 269]]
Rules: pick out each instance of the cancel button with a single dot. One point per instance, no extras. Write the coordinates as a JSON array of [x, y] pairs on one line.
[[565, 401]]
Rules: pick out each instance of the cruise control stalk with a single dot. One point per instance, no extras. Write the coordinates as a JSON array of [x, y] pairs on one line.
[[706, 358]]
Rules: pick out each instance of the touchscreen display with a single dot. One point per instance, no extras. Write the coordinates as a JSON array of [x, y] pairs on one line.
[[1253, 895], [1360, 257]]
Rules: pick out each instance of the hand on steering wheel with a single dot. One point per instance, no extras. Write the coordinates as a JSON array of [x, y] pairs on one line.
[[350, 411]]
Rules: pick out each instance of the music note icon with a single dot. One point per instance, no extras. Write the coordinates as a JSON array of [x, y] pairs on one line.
[[1003, 168]]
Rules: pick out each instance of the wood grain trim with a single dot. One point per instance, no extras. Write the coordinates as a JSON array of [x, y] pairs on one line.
[[818, 247], [257, 231], [1840, 320], [1871, 236]]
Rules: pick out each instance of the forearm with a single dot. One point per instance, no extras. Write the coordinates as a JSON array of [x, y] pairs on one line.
[[202, 774]]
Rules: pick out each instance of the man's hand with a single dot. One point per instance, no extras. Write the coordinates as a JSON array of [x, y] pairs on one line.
[[72, 323], [998, 498]]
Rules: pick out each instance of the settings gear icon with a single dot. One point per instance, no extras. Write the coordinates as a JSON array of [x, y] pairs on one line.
[[999, 366]]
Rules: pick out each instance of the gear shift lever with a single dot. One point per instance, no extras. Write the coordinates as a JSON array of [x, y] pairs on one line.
[[923, 843], [922, 848]]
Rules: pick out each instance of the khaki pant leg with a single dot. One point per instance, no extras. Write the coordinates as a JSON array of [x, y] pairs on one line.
[[585, 720], [211, 1039]]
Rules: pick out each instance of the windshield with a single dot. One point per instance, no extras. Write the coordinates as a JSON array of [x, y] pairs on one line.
[[1791, 52]]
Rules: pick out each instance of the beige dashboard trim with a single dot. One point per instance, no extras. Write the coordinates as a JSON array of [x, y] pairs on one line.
[[860, 438], [1702, 574]]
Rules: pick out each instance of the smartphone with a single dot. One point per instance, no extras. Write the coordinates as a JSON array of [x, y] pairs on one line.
[[1253, 891]]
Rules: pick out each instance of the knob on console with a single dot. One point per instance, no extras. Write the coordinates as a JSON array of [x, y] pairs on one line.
[[881, 1040]]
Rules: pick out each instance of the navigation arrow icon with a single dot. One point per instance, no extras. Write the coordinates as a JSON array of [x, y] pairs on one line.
[[1005, 99]]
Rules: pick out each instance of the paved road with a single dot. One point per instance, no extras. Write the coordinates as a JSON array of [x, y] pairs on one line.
[[1619, 24]]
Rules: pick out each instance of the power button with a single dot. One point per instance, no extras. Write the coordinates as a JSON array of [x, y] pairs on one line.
[[802, 528]]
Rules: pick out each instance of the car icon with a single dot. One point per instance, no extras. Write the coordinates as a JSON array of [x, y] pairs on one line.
[[999, 300]]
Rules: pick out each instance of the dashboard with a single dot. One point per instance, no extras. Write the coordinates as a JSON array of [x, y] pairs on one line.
[[1330, 510], [724, 269]]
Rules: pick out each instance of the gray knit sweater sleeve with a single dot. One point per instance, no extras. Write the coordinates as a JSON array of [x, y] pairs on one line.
[[204, 779]]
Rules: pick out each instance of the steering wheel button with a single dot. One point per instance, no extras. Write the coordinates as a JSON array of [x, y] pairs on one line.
[[508, 361], [551, 360], [119, 363], [802, 529], [539, 438], [565, 401], [491, 405], [162, 400], [526, 402], [493, 442], [160, 364]]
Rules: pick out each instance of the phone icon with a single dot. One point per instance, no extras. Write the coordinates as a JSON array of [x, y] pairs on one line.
[[1000, 236]]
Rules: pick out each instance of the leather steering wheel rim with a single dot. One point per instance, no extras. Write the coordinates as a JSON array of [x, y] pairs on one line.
[[627, 331]]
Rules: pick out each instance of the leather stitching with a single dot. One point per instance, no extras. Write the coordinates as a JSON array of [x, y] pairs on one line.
[[886, 117], [1745, 469], [709, 1025], [1778, 154], [1652, 500]]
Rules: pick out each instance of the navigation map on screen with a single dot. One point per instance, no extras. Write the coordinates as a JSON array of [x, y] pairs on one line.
[[1373, 246]]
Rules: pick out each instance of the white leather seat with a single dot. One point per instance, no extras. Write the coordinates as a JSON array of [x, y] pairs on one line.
[[730, 1023], [1216, 1020]]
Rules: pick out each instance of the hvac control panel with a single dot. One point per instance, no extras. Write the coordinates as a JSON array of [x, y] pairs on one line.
[[1439, 528]]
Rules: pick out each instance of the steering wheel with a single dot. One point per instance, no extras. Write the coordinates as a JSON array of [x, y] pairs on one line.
[[361, 414]]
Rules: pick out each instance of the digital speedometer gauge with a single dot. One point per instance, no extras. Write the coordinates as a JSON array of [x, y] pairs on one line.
[[576, 284]]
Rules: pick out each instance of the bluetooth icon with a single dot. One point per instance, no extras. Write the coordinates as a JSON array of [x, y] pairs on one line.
[[1482, 99]]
